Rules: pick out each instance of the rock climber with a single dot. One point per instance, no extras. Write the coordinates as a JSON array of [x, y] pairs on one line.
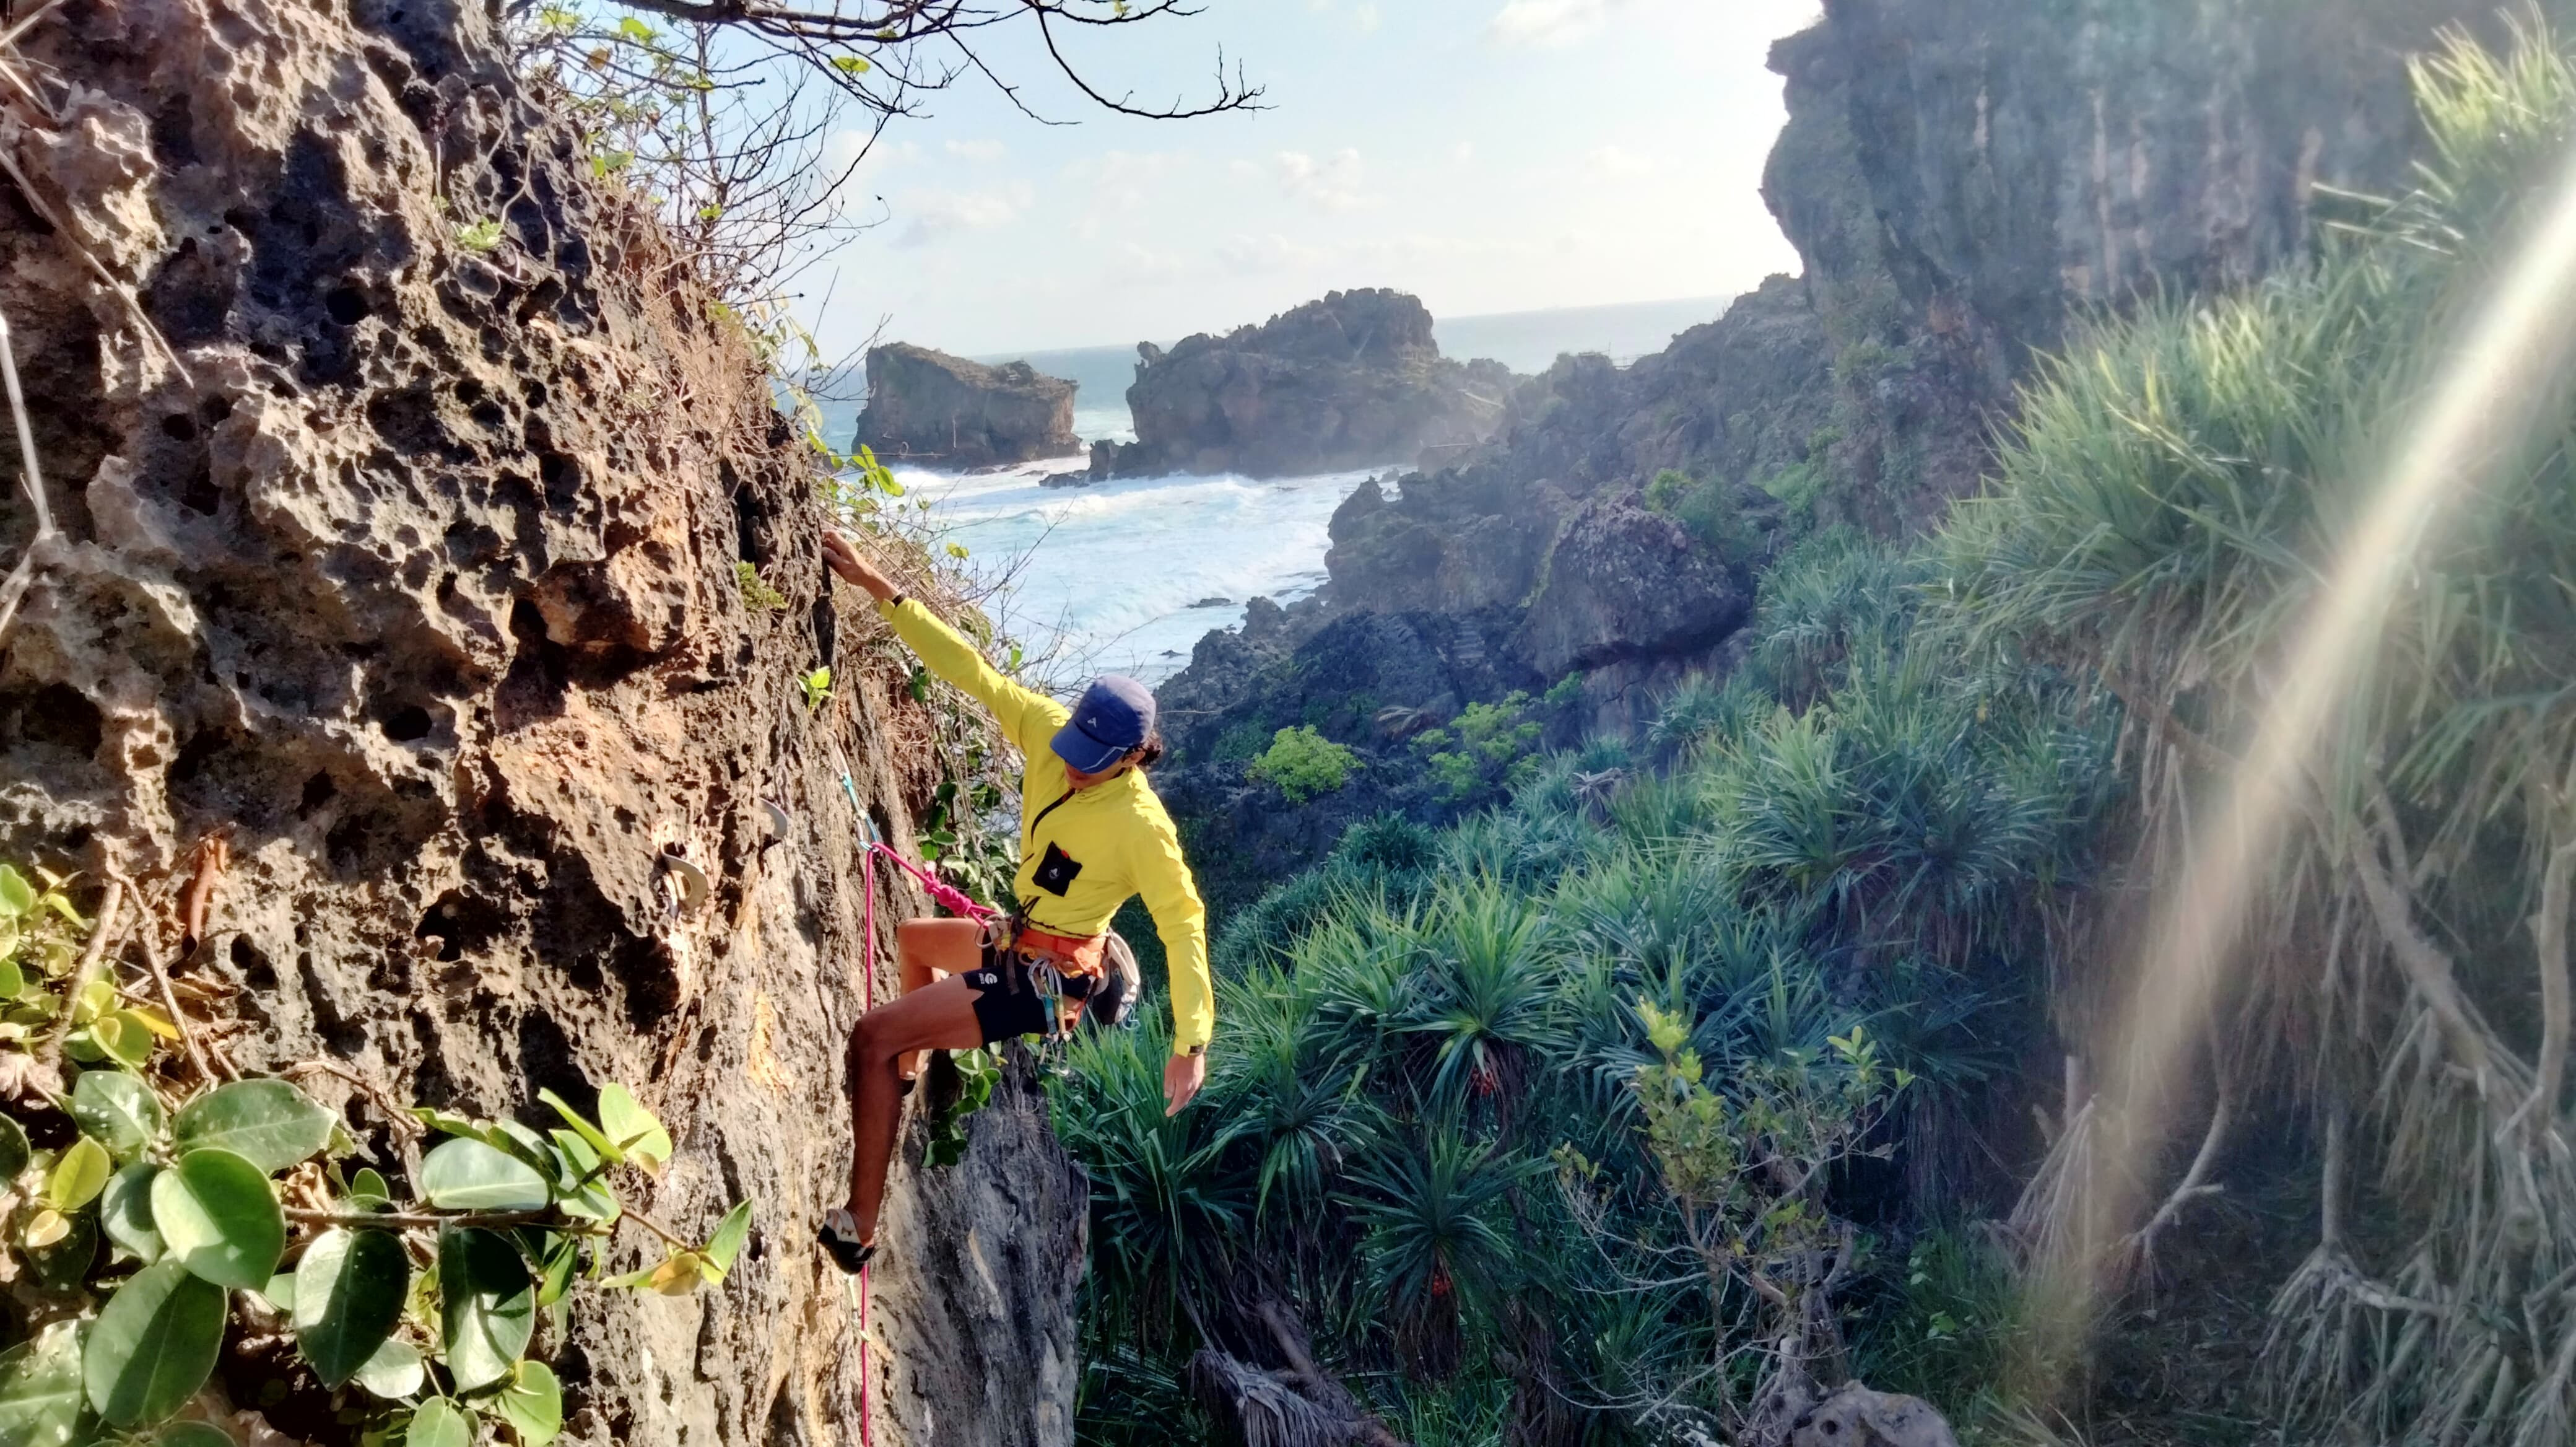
[[1091, 834]]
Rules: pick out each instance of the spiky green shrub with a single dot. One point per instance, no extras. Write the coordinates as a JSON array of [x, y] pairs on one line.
[[2174, 498], [1430, 1126]]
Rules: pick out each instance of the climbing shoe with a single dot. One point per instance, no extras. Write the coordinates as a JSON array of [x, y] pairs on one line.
[[840, 1238]]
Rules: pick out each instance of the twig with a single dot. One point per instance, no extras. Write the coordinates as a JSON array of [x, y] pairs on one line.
[[10, 36], [34, 479], [101, 935], [2549, 946], [106, 278], [170, 1003], [2192, 1186], [213, 853], [432, 1220], [2424, 963]]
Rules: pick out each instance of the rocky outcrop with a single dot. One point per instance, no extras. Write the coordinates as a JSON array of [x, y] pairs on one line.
[[1623, 583], [1967, 179], [1353, 380], [1964, 180], [410, 564], [932, 407]]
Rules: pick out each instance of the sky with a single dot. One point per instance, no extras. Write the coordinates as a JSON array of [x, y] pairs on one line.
[[1485, 155]]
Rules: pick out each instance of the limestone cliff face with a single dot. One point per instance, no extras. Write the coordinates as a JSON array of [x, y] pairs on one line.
[[1353, 380], [412, 565], [938, 408], [1966, 178]]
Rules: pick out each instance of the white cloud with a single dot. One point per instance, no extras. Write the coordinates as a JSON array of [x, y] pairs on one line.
[[1463, 152], [1549, 22], [976, 150], [1138, 265], [1367, 18], [931, 215], [1247, 255], [1613, 161], [1331, 184]]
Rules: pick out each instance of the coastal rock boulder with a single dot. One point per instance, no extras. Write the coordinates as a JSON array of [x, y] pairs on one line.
[[933, 407], [1349, 381], [1626, 583]]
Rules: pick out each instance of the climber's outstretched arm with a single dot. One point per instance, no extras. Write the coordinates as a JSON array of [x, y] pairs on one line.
[[1028, 717]]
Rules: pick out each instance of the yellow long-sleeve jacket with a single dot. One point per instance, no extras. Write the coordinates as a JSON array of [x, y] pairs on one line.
[[1115, 834]]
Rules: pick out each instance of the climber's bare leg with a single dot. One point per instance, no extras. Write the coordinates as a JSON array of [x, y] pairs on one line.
[[929, 950], [936, 1017]]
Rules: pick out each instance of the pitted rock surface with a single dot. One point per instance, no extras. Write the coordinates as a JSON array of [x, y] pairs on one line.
[[410, 563]]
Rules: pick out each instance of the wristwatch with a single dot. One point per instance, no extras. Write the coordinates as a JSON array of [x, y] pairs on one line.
[[1196, 1051]]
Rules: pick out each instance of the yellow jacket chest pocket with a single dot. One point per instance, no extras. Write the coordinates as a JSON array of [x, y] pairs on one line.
[[1056, 870]]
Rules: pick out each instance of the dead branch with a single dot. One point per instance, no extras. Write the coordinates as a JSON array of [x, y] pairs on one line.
[[213, 853], [102, 934], [2426, 966], [2549, 948], [170, 1004], [32, 477], [2195, 1181]]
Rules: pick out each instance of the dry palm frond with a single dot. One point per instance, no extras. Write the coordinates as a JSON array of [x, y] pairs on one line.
[[1263, 1409]]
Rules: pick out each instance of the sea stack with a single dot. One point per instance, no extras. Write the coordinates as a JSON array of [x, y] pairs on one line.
[[1350, 381], [928, 406]]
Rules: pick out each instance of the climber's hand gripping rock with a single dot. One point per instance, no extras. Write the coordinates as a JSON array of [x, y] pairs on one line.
[[842, 552]]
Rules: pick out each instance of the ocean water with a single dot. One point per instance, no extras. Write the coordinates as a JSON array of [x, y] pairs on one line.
[[1124, 577]]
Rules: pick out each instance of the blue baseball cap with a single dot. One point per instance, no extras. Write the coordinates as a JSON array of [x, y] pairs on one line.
[[1115, 715]]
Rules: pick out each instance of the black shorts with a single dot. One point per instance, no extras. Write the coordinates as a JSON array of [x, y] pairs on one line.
[[1007, 1001]]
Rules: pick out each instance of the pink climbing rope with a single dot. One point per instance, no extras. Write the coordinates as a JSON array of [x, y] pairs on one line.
[[952, 899], [948, 896], [868, 1001]]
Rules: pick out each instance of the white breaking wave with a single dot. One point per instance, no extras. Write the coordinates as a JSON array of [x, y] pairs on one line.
[[1124, 577]]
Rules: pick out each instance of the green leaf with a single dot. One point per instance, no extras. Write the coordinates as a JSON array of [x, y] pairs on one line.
[[279, 1294], [467, 1175], [562, 1261], [193, 1434], [731, 1232], [125, 1210], [596, 1138], [62, 1263], [269, 1123], [349, 1292], [636, 30], [367, 1188], [154, 1345], [42, 1403], [13, 979], [851, 64], [576, 1161], [218, 1216], [533, 1404], [440, 1422], [394, 1372], [636, 1131], [17, 896], [487, 1305], [117, 1110], [13, 1151], [124, 1036], [450, 1123], [78, 1176]]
